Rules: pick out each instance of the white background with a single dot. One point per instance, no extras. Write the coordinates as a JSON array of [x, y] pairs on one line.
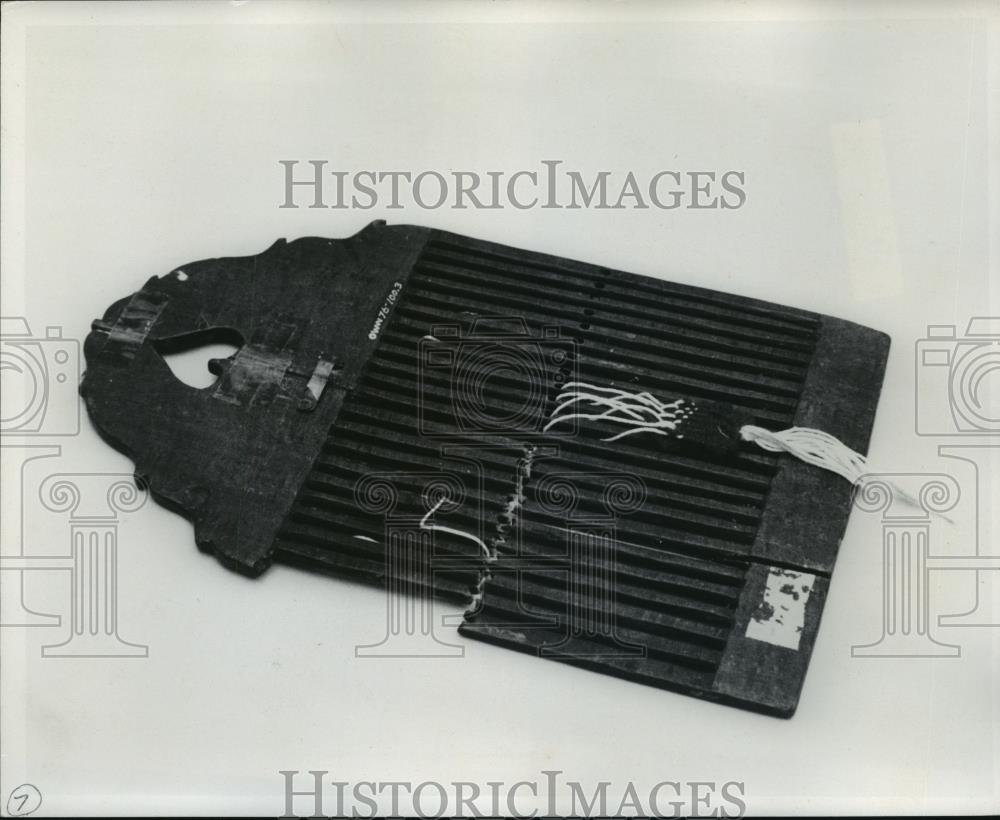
[[140, 137]]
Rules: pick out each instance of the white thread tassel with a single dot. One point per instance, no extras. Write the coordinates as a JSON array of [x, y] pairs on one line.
[[822, 450], [811, 446], [642, 412]]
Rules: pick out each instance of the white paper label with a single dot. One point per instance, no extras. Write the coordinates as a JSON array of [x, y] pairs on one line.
[[781, 614]]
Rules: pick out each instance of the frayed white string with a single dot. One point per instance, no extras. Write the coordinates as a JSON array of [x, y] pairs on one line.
[[426, 525], [643, 412], [823, 450], [811, 446]]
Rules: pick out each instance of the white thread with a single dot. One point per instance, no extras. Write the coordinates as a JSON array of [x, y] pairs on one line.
[[643, 412], [811, 446], [523, 473], [424, 525], [647, 414], [823, 450]]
